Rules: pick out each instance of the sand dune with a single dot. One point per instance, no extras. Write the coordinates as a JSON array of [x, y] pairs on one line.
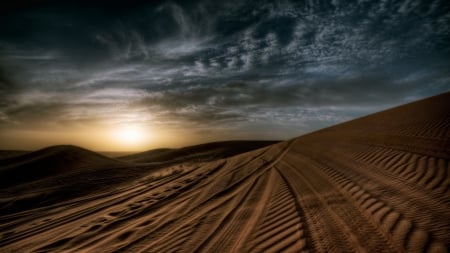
[[60, 173], [4, 154], [49, 162], [376, 184], [203, 152]]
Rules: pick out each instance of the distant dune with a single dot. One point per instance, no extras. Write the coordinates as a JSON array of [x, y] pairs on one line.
[[203, 152], [49, 162], [11, 153], [380, 183]]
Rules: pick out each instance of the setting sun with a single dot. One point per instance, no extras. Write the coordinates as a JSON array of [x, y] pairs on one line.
[[130, 136]]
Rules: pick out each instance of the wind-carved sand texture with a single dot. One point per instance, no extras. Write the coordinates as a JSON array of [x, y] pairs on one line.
[[376, 184]]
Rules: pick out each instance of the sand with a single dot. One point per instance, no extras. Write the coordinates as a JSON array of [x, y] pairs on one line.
[[376, 184]]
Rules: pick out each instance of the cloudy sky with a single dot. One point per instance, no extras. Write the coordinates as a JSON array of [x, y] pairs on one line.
[[184, 72]]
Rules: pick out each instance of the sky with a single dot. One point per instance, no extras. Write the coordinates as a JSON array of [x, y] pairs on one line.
[[136, 75]]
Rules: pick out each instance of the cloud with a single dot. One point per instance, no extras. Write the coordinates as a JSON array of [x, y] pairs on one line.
[[230, 65]]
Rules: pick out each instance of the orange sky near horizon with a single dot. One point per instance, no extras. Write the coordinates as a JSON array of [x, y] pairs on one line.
[[123, 138], [126, 138]]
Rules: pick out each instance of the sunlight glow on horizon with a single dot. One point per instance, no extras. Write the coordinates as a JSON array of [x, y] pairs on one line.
[[131, 136], [102, 137]]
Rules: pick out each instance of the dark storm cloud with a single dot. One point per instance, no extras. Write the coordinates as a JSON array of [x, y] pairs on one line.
[[232, 63]]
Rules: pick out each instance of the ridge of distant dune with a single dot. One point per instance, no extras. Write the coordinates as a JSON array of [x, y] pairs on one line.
[[49, 162], [380, 183], [4, 154], [202, 152]]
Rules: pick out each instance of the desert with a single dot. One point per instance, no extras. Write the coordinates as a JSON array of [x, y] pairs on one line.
[[379, 183], [233, 126]]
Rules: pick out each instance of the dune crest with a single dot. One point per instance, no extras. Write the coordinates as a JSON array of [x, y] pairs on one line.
[[49, 162], [375, 184], [200, 153]]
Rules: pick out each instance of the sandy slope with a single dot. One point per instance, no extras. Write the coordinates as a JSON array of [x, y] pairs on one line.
[[376, 184]]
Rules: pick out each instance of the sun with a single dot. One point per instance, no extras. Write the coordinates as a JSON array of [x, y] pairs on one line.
[[130, 135]]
